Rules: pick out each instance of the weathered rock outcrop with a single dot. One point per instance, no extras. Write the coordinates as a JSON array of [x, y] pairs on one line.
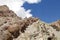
[[56, 25], [11, 25], [39, 31]]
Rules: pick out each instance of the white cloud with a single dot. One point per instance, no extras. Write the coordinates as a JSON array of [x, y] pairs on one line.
[[16, 6], [23, 13], [33, 1], [12, 4]]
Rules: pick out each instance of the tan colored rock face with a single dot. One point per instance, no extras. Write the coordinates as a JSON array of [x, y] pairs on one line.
[[39, 31], [4, 8], [13, 28], [11, 25], [56, 25], [4, 11]]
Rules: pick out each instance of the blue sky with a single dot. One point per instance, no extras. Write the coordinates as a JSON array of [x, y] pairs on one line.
[[47, 10]]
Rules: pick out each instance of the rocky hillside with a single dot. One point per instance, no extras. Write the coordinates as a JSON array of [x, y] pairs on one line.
[[13, 27], [39, 31], [56, 25]]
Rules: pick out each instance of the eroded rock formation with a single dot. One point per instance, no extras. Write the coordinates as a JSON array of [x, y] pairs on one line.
[[56, 25], [11, 25]]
